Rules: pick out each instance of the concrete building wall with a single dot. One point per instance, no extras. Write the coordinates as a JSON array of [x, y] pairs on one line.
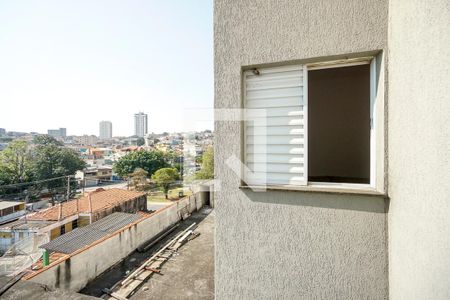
[[56, 232], [130, 206], [280, 244], [76, 270], [419, 149]]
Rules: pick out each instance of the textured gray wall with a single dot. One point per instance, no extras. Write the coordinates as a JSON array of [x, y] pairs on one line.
[[419, 149], [293, 245]]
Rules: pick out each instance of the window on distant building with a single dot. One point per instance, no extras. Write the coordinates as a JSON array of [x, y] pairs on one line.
[[62, 230], [317, 125]]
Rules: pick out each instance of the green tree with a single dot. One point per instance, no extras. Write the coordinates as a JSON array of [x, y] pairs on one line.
[[6, 139], [164, 178], [140, 141], [51, 159], [150, 161], [139, 180], [175, 160], [45, 140], [207, 169], [47, 159], [15, 163]]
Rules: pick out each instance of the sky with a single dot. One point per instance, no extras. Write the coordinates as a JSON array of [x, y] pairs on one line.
[[75, 63]]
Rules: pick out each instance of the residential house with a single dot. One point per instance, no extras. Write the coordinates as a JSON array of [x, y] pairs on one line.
[[20, 230], [64, 217], [344, 138], [85, 140], [95, 175], [11, 210]]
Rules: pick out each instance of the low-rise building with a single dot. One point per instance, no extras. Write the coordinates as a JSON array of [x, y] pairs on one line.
[[92, 176], [11, 210], [64, 217], [85, 140], [57, 133], [19, 230]]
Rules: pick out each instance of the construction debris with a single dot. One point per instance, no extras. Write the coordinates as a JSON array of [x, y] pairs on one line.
[[122, 290]]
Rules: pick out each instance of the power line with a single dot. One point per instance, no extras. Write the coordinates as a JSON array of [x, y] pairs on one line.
[[33, 182], [58, 189]]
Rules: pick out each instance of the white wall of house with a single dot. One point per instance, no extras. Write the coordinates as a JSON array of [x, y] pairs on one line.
[[419, 149]]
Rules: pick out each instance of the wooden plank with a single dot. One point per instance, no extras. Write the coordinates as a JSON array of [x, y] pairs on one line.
[[113, 295], [153, 270]]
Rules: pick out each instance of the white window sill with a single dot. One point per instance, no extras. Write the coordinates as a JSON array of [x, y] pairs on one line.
[[332, 188]]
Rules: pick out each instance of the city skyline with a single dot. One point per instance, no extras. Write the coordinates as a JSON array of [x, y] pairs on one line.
[[52, 132], [59, 73]]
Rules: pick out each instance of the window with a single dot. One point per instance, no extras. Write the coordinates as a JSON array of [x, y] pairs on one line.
[[310, 124], [339, 124], [62, 230], [275, 143], [74, 224]]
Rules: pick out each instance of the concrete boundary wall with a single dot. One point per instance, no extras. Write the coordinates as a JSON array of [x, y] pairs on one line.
[[74, 271]]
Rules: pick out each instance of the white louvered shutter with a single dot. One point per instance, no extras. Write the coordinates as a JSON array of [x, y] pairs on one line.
[[275, 150]]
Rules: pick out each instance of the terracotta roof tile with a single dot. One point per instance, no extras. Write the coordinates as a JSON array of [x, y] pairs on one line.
[[100, 200]]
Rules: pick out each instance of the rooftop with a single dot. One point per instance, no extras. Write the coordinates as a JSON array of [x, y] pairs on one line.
[[188, 275], [84, 236], [100, 199], [29, 290], [191, 274], [25, 225], [8, 204]]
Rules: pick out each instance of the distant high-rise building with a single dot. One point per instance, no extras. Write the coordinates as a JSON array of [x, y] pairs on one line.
[[140, 124], [105, 130], [2, 131], [57, 133]]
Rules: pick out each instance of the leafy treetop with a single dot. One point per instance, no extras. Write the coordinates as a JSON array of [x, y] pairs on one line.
[[164, 178], [150, 161], [207, 169]]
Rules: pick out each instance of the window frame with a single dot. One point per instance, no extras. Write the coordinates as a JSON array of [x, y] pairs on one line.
[[371, 188]]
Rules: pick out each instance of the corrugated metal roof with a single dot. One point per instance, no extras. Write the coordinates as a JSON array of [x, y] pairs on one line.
[[84, 236]]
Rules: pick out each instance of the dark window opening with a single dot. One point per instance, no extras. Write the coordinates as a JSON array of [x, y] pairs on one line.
[[62, 230], [339, 124], [74, 224]]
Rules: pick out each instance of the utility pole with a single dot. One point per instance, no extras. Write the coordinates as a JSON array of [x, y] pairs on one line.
[[68, 187], [83, 182], [60, 212], [90, 208]]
